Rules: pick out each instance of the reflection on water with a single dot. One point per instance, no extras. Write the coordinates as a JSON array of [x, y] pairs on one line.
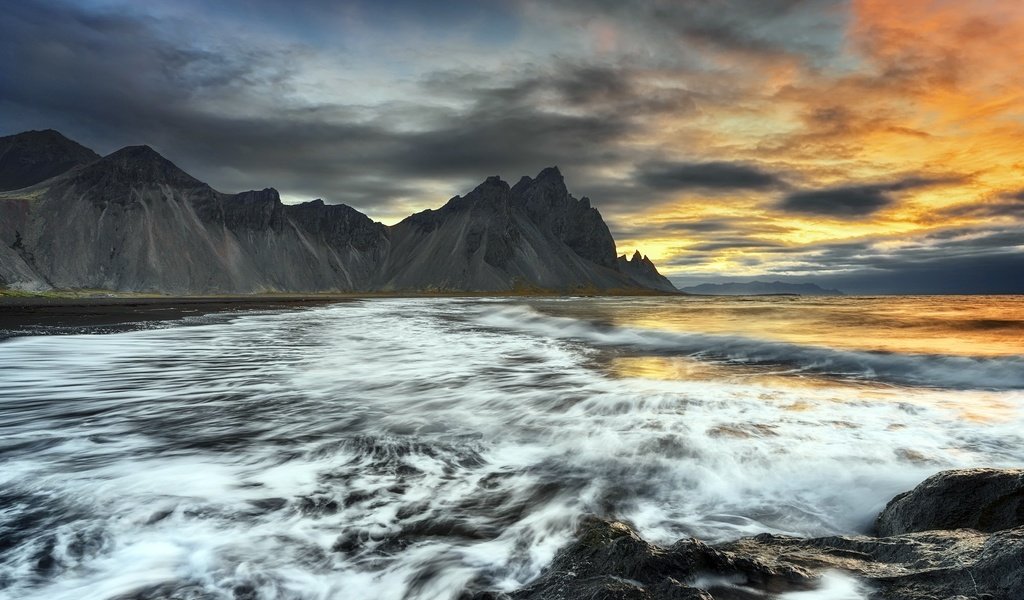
[[419, 448], [963, 325]]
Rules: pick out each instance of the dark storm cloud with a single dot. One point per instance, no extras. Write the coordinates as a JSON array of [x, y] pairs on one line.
[[1005, 205], [601, 91], [957, 260], [855, 200], [665, 175], [115, 79], [846, 201], [745, 230], [757, 29], [997, 273], [732, 243], [111, 79]]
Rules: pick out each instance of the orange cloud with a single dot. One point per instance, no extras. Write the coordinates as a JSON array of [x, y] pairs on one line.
[[923, 86]]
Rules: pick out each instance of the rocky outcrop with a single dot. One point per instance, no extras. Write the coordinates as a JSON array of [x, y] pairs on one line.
[[33, 156], [575, 223], [133, 221], [981, 499], [533, 236], [642, 270], [610, 560]]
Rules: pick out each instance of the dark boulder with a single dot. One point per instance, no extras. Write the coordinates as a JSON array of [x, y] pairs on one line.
[[609, 560], [959, 564], [957, 536], [983, 499]]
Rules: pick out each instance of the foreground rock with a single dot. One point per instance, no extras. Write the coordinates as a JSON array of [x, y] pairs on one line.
[[983, 499], [610, 561]]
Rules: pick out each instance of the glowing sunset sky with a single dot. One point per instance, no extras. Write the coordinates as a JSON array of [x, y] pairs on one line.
[[859, 141]]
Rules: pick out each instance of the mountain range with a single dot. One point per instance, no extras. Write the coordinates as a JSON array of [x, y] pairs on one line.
[[133, 221], [753, 288]]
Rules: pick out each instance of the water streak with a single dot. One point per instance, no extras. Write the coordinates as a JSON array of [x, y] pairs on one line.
[[417, 448]]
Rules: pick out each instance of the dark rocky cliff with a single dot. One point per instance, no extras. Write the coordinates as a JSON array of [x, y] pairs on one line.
[[134, 221], [642, 270], [549, 205], [533, 236], [33, 156]]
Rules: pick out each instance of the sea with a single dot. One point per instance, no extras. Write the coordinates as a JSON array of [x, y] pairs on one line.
[[426, 448]]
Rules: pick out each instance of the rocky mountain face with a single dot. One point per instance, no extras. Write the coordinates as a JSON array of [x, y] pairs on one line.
[[642, 269], [533, 236], [133, 221], [33, 156]]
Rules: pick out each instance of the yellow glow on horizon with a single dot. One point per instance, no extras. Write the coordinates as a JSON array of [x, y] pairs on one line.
[[935, 91]]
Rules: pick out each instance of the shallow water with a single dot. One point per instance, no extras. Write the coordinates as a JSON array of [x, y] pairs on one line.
[[415, 448]]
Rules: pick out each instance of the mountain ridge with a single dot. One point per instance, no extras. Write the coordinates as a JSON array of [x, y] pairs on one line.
[[133, 221], [33, 156], [756, 287]]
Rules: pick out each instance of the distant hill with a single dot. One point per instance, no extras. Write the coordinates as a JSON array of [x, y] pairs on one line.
[[134, 221], [753, 288], [33, 156]]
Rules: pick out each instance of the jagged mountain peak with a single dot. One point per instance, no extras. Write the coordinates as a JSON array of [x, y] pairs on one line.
[[492, 185], [491, 195], [640, 259], [265, 195], [548, 185], [642, 269], [550, 174], [39, 135], [136, 166], [133, 220]]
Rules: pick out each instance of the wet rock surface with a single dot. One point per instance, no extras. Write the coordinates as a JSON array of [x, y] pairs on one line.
[[610, 560], [983, 499]]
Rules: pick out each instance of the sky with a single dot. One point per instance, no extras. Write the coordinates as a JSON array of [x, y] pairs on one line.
[[872, 145]]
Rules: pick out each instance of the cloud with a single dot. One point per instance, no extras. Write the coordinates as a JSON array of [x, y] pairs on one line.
[[755, 30], [657, 110], [665, 175], [1010, 204], [742, 229], [850, 201]]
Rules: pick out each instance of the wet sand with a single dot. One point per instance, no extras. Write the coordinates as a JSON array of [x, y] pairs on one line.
[[36, 314]]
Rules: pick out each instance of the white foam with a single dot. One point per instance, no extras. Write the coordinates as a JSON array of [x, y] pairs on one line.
[[409, 415]]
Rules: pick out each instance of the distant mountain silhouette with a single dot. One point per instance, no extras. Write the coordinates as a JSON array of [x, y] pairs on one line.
[[641, 269], [133, 221], [760, 287]]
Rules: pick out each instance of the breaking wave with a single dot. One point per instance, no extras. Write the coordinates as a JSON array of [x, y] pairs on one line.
[[418, 449]]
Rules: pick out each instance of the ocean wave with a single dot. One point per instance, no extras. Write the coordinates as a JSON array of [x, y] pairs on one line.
[[932, 370]]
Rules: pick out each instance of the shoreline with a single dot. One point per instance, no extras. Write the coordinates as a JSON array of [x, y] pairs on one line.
[[67, 311], [35, 315]]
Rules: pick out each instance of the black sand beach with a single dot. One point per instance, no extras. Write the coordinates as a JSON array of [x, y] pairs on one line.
[[38, 314]]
